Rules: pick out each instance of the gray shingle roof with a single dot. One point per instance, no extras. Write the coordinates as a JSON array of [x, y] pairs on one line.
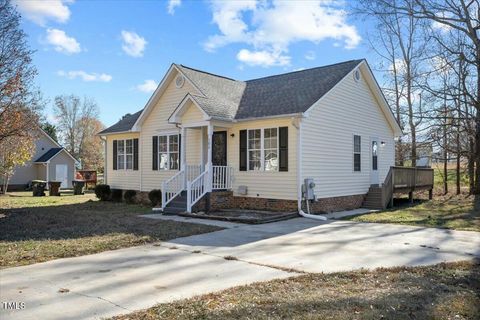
[[281, 94], [292, 92], [48, 155], [125, 124], [222, 95]]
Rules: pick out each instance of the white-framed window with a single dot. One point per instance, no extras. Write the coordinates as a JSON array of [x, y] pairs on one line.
[[357, 153], [262, 149], [125, 154], [168, 152]]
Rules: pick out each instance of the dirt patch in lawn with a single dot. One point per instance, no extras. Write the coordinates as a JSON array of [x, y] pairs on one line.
[[445, 291], [243, 216], [44, 228]]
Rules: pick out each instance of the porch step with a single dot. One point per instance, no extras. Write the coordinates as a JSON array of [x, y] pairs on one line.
[[174, 210], [373, 200], [177, 205]]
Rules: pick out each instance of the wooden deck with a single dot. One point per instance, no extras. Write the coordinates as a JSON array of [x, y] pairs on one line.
[[399, 180]]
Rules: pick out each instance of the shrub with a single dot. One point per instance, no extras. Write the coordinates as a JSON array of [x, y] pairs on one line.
[[117, 195], [129, 196], [155, 197], [103, 192]]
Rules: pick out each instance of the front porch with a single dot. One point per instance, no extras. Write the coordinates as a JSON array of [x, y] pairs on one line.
[[211, 172]]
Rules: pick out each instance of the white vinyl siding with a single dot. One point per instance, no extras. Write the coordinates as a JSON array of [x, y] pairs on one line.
[[154, 124], [261, 183], [327, 134], [121, 179]]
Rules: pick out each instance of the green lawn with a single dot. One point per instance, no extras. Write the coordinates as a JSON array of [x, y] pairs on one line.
[[455, 212], [37, 229], [445, 291]]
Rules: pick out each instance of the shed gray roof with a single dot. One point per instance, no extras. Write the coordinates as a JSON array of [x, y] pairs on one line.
[[287, 93], [48, 155]]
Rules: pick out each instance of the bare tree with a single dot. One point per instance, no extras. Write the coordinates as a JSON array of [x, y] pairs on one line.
[[463, 17], [77, 122], [20, 102], [400, 43]]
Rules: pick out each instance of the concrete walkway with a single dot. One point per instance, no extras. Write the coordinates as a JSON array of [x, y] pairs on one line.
[[121, 281]]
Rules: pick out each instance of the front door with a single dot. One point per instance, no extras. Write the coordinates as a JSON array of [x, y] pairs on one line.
[[219, 158], [219, 148], [61, 174], [374, 161]]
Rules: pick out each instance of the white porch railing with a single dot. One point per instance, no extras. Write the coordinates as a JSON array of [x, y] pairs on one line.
[[222, 177], [193, 171], [197, 189], [172, 187]]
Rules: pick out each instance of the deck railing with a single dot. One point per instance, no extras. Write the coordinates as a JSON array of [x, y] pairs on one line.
[[412, 178]]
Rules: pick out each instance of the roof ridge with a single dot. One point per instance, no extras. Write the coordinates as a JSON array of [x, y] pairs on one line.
[[298, 71], [209, 73]]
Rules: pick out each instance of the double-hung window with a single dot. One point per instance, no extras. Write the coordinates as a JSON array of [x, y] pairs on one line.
[[263, 149], [168, 152], [357, 153], [125, 154]]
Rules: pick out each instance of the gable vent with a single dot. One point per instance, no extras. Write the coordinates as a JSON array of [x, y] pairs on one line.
[[179, 81], [356, 75]]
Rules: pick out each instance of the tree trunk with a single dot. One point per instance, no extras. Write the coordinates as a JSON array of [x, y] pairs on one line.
[[471, 167], [458, 160]]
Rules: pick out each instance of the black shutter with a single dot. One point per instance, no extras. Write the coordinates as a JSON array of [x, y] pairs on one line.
[[154, 153], [243, 150], [135, 154], [114, 154], [179, 151], [283, 148]]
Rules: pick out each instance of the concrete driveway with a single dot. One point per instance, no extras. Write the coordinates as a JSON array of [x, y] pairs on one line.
[[121, 281]]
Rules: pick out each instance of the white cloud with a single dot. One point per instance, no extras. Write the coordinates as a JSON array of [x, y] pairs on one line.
[[172, 4], [262, 58], [133, 44], [310, 55], [62, 42], [88, 77], [273, 26], [42, 11], [148, 86]]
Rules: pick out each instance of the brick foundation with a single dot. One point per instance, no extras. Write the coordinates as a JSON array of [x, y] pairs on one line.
[[219, 200], [226, 200], [326, 205]]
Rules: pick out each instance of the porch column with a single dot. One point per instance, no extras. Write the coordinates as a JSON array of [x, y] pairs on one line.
[[209, 156], [183, 156]]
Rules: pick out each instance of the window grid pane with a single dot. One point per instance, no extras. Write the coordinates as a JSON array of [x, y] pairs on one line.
[[129, 161], [163, 157], [270, 145], [254, 149]]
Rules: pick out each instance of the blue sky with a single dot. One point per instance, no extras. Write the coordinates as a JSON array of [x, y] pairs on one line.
[[117, 51]]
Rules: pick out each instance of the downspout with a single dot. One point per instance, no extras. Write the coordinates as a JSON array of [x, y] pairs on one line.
[[298, 125]]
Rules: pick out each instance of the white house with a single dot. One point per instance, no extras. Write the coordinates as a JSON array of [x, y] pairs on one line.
[[251, 144], [50, 162]]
